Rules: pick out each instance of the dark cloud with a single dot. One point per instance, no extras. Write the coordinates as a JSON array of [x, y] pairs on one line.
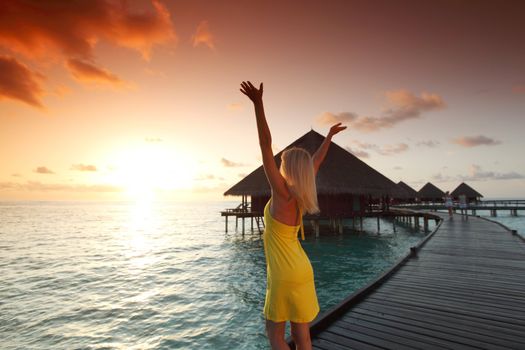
[[473, 141], [86, 72], [476, 173], [18, 82], [404, 105], [428, 143], [43, 170], [230, 164], [443, 178], [83, 167]]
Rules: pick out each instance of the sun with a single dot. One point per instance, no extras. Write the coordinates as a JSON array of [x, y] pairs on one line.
[[145, 170]]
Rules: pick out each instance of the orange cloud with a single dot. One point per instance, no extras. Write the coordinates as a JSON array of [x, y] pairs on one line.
[[389, 150], [405, 106], [87, 73], [19, 83], [36, 186], [72, 28], [203, 36], [473, 141], [358, 153], [235, 106], [153, 139], [519, 89], [386, 150], [83, 167], [230, 164], [43, 170], [331, 118]]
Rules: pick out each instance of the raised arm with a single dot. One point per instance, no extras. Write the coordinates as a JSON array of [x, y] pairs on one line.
[[277, 182], [320, 154]]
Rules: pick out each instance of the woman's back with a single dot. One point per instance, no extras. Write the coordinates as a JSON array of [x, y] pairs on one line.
[[291, 292]]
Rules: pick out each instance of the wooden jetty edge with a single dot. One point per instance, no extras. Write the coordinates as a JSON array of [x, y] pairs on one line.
[[462, 287]]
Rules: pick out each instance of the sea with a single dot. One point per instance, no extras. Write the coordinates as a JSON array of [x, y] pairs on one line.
[[161, 275]]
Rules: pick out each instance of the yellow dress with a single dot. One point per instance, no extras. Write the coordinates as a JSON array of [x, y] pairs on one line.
[[290, 292]]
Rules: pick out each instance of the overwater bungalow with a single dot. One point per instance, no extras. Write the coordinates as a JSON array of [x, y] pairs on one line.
[[410, 193], [430, 193], [471, 194], [346, 185]]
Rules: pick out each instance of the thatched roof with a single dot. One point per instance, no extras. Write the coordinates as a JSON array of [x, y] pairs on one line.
[[410, 192], [430, 191], [340, 173], [465, 189]]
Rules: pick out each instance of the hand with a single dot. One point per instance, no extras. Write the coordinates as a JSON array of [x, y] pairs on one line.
[[252, 92], [335, 129]]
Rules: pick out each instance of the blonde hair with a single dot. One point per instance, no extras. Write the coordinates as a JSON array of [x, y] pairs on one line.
[[297, 168]]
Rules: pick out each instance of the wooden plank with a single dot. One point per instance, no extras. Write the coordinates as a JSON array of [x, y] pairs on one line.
[[470, 316], [366, 335], [348, 343], [469, 324], [467, 296], [319, 343], [410, 332], [451, 286], [449, 327], [395, 338], [455, 309]]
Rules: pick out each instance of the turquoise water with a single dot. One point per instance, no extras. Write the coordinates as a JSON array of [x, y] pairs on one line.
[[162, 276], [513, 222]]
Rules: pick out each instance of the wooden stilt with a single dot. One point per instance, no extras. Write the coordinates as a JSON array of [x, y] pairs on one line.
[[394, 224], [361, 223], [378, 226], [226, 223]]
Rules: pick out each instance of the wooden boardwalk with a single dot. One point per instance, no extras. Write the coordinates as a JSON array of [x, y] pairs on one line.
[[465, 289]]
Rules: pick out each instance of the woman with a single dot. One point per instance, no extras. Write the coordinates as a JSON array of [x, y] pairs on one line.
[[290, 293], [449, 204]]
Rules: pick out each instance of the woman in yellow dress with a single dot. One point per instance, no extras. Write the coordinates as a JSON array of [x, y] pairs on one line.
[[290, 292]]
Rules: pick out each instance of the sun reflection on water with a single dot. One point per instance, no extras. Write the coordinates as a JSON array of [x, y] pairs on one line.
[[139, 241]]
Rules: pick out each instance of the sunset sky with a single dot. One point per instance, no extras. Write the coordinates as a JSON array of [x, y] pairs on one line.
[[114, 100]]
